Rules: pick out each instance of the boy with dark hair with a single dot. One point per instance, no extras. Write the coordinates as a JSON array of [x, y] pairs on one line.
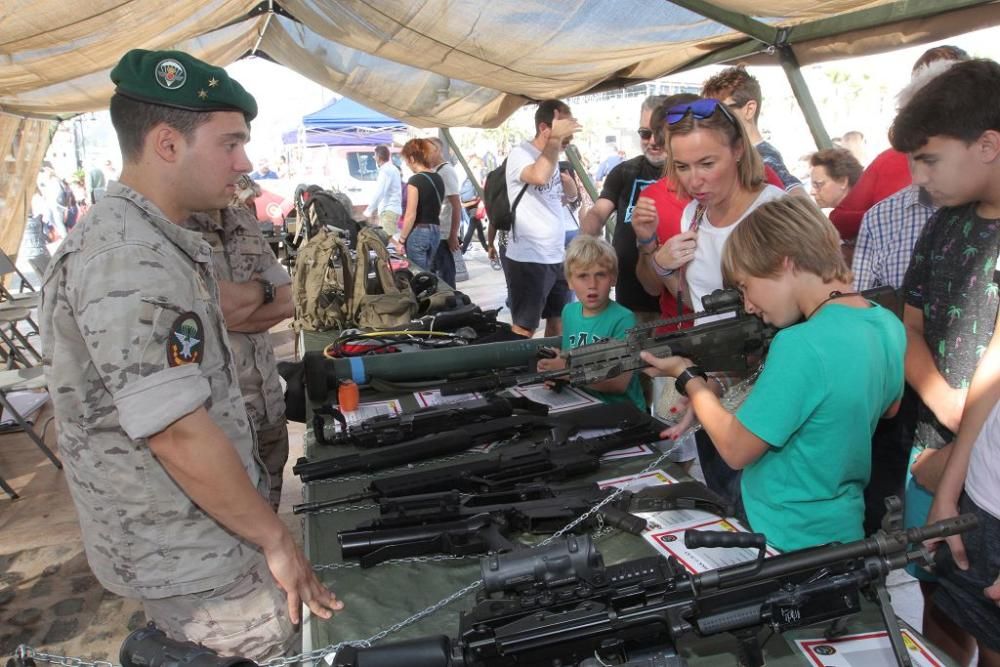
[[740, 91], [535, 249], [951, 131], [804, 464]]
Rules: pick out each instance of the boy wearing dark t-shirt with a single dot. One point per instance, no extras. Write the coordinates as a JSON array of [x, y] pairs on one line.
[[951, 131]]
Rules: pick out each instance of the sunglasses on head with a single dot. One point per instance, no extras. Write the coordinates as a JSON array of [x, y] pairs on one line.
[[701, 109], [645, 133]]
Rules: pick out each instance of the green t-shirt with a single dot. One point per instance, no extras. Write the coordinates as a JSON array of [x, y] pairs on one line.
[[825, 384], [612, 322]]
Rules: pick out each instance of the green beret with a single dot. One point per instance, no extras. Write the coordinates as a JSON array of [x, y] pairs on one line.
[[177, 79]]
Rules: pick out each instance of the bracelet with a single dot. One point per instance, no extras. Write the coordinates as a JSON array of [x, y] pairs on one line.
[[687, 375], [651, 239], [661, 271]]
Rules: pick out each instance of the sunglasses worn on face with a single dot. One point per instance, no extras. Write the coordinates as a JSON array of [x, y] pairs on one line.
[[645, 133], [701, 109]]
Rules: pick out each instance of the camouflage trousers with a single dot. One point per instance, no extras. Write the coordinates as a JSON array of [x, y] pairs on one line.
[[247, 618], [272, 444]]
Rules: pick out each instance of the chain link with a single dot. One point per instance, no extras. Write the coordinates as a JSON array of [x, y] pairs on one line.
[[26, 652]]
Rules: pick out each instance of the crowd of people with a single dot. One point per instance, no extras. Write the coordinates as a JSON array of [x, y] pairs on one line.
[[155, 312]]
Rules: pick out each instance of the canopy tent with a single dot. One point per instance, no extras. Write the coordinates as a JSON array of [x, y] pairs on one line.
[[344, 122], [429, 63]]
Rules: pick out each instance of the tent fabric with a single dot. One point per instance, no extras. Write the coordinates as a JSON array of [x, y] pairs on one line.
[[438, 63], [25, 141]]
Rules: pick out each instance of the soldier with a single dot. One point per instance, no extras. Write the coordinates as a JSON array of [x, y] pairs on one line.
[[159, 453], [256, 294]]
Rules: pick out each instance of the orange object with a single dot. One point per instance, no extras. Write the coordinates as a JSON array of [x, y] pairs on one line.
[[348, 396]]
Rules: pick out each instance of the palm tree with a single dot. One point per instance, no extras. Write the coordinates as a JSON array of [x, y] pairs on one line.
[[970, 252], [954, 312]]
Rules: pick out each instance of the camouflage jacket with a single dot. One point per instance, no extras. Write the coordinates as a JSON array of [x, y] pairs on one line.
[[133, 339], [239, 252]]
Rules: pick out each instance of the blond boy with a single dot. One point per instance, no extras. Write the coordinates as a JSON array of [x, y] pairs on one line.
[[591, 268]]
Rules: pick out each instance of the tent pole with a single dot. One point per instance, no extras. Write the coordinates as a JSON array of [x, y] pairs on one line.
[[573, 153], [790, 64], [446, 133]]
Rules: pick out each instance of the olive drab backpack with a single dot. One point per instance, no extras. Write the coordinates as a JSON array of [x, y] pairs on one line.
[[322, 284], [378, 300]]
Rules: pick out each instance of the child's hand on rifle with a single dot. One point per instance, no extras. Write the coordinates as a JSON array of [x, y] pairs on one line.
[[549, 360]]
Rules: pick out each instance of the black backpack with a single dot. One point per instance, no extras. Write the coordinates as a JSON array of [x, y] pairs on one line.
[[498, 207], [327, 209]]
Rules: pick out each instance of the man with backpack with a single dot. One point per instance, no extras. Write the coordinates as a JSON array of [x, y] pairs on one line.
[[535, 251]]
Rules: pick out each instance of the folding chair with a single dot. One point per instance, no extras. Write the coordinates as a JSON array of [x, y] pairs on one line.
[[8, 267], [18, 380]]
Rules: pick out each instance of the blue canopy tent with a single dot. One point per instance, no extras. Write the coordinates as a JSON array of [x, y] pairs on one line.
[[344, 122]]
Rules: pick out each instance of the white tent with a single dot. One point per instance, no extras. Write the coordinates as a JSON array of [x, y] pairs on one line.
[[427, 62]]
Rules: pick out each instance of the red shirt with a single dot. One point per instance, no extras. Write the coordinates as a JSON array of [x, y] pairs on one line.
[[669, 207], [886, 175]]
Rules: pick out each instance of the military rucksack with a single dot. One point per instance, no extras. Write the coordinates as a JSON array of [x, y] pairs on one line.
[[378, 300], [498, 207], [322, 284], [321, 208]]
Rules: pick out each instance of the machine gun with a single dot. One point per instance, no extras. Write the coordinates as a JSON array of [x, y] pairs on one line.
[[518, 463], [561, 427], [459, 524], [561, 604], [383, 430], [726, 345]]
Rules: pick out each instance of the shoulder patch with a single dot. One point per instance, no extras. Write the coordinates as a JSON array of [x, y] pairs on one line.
[[186, 340]]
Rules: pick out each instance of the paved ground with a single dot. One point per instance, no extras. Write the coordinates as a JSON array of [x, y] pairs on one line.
[[48, 597]]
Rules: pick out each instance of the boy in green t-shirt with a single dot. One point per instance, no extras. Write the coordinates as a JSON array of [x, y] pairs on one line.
[[803, 435], [591, 267]]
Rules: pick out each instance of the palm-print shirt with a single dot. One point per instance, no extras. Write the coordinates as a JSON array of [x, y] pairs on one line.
[[951, 279]]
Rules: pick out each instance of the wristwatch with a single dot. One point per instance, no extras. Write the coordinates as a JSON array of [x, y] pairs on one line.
[[268, 287], [686, 375]]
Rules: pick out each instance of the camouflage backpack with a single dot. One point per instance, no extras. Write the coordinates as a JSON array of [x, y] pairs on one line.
[[321, 286], [378, 301]]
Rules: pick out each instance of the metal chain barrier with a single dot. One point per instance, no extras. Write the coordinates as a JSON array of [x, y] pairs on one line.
[[733, 397]]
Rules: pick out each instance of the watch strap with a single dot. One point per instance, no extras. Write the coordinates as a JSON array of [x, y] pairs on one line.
[[686, 375]]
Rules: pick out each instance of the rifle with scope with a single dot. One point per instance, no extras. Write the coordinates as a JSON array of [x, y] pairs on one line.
[[561, 604], [727, 345], [459, 524], [456, 523]]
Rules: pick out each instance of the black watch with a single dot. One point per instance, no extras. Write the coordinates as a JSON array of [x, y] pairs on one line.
[[687, 374], [268, 290]]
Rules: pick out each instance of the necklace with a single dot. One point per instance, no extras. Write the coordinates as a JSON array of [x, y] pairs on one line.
[[835, 294]]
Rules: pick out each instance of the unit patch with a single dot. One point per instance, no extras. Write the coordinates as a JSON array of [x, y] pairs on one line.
[[170, 74], [186, 340]]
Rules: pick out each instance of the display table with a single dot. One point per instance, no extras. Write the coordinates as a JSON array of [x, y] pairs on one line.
[[380, 597]]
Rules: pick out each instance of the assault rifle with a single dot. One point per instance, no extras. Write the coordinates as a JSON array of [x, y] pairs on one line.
[[561, 604], [551, 459], [459, 524], [728, 345], [455, 523], [383, 430], [560, 427]]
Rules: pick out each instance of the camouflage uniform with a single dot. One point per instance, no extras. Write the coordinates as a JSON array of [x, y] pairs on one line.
[[239, 254], [133, 339]]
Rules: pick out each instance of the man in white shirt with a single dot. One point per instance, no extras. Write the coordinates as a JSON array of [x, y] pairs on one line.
[[535, 246], [387, 199], [443, 264]]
